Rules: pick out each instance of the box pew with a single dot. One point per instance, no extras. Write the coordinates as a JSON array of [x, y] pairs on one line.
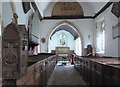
[[39, 73]]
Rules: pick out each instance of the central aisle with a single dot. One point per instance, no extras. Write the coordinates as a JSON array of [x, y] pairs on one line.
[[65, 75]]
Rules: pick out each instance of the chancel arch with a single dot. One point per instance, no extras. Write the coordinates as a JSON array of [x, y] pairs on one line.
[[66, 30]]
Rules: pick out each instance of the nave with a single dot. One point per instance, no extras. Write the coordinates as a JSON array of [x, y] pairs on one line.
[[34, 34], [65, 74]]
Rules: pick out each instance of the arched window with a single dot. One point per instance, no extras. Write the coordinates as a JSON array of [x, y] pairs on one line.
[[100, 39], [62, 39]]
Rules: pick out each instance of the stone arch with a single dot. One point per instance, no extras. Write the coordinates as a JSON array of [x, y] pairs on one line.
[[64, 23]]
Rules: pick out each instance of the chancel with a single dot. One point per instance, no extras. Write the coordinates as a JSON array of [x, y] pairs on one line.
[[60, 43]]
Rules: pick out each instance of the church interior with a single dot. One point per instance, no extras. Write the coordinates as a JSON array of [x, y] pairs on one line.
[[60, 43]]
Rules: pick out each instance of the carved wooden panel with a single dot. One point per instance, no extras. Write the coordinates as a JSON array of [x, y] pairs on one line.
[[14, 51], [67, 9]]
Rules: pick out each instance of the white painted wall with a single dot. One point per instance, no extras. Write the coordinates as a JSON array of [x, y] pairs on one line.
[[35, 25], [6, 13], [22, 17], [84, 26], [111, 45], [55, 40], [41, 6], [95, 6], [78, 48], [27, 15], [19, 11]]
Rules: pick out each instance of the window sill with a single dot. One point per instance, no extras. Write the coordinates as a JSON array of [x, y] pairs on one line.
[[100, 52]]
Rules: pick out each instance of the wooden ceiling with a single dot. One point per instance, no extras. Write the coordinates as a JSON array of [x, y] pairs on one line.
[[67, 9]]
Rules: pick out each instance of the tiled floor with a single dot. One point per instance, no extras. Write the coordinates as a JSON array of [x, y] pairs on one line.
[[65, 74]]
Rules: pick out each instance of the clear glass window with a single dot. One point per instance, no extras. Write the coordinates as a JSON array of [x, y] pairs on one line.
[[62, 39], [100, 37]]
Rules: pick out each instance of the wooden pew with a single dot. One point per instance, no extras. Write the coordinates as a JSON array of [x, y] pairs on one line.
[[39, 73]]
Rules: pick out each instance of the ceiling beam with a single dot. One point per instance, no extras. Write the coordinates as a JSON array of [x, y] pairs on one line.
[[67, 17], [103, 9]]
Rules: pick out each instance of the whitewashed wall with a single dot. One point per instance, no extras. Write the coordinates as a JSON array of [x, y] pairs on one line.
[[35, 25], [6, 13], [111, 45], [54, 41], [84, 26]]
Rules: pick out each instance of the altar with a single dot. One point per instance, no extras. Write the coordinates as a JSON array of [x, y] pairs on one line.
[[63, 53]]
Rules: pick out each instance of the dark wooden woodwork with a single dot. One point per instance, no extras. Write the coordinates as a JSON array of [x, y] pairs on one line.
[[107, 76], [115, 9], [99, 71], [33, 41], [67, 17], [41, 56], [14, 51], [26, 6], [38, 73]]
